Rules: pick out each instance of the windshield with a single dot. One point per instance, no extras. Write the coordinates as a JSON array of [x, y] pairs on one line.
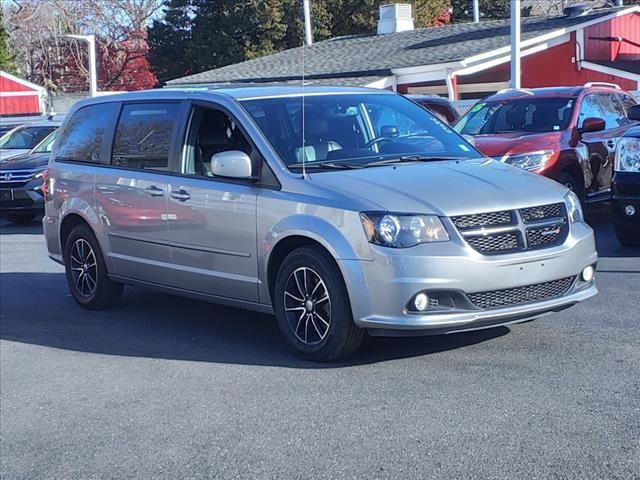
[[46, 145], [354, 128], [534, 115], [25, 137]]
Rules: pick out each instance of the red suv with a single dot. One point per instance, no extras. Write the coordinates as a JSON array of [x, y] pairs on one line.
[[568, 134]]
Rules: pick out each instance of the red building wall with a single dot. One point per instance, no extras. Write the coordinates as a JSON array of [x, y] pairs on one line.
[[20, 104], [627, 27]]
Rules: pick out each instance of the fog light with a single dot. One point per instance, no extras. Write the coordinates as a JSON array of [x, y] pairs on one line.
[[588, 273], [421, 302], [629, 210]]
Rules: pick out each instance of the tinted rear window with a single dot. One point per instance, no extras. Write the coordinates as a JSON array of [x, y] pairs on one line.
[[83, 135]]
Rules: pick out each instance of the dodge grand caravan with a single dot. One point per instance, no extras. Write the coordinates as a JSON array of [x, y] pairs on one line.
[[342, 211]]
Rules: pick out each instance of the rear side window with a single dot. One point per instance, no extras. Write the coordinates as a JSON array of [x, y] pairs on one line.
[[627, 102], [83, 135], [144, 134], [614, 114]]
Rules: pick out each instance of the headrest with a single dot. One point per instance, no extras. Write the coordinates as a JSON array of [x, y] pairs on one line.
[[316, 126], [212, 136]]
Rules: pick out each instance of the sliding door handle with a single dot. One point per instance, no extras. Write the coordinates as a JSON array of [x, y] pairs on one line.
[[154, 191]]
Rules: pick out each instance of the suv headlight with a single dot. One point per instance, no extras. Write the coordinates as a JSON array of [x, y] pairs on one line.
[[529, 161], [402, 230], [574, 209], [628, 155]]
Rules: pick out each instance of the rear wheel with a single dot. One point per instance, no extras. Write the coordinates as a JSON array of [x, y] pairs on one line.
[[86, 271], [21, 218], [312, 306], [628, 235]]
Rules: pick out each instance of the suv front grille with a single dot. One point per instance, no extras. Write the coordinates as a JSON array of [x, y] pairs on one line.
[[510, 231], [521, 295], [15, 178]]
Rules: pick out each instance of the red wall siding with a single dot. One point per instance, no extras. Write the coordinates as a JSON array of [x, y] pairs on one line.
[[8, 85], [627, 27], [553, 68], [22, 105]]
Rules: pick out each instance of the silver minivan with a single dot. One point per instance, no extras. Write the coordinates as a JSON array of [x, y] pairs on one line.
[[340, 210]]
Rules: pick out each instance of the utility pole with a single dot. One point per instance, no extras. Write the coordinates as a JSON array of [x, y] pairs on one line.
[[476, 11], [515, 43], [307, 22], [93, 75]]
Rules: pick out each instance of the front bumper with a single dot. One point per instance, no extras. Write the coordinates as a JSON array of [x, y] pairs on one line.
[[626, 191], [381, 289], [28, 199]]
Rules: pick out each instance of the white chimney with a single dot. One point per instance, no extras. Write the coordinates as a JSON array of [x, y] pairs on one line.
[[395, 18]]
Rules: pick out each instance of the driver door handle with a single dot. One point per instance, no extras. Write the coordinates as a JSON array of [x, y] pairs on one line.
[[181, 195], [154, 191]]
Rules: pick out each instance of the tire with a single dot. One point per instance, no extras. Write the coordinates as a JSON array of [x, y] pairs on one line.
[[628, 235], [572, 183], [21, 218], [315, 318], [86, 272]]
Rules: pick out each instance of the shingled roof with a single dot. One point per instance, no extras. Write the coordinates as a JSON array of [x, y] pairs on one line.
[[376, 55]]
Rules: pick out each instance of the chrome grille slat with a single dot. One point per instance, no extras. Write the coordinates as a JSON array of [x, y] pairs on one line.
[[510, 231], [521, 295], [16, 178]]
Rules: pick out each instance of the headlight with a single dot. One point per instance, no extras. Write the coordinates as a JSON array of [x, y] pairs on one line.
[[402, 230], [529, 161], [628, 155], [574, 209]]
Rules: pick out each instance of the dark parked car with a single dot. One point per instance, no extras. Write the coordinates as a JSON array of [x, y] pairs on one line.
[[24, 138], [568, 134], [441, 107], [21, 179], [626, 185]]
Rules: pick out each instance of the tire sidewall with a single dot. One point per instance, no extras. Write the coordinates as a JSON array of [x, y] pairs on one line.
[[82, 232], [341, 314]]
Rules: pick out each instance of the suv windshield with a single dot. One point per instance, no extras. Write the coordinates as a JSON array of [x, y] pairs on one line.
[[46, 145], [25, 137], [355, 129], [533, 115]]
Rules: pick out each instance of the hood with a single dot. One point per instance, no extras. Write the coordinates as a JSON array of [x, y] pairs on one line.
[[444, 188], [12, 152], [516, 143], [25, 161]]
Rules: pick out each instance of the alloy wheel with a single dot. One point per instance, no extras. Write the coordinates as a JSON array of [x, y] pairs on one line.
[[84, 268], [307, 306]]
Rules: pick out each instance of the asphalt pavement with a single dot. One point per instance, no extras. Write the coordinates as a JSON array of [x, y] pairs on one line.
[[167, 388]]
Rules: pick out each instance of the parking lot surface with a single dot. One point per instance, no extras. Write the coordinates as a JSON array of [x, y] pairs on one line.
[[163, 387]]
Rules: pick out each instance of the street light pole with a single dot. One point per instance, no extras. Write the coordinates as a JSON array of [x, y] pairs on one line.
[[307, 22], [476, 11], [93, 75], [515, 43]]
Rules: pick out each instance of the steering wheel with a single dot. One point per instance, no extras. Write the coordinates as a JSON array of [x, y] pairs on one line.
[[377, 140]]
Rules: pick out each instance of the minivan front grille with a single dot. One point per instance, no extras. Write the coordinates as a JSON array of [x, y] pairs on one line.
[[511, 231], [521, 295]]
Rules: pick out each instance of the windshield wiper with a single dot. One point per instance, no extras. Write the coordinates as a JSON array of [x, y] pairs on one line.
[[411, 158], [327, 165]]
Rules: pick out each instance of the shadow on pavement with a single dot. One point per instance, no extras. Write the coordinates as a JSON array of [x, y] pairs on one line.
[[156, 325], [31, 228]]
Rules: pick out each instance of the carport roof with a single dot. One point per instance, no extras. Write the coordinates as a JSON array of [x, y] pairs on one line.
[[376, 55]]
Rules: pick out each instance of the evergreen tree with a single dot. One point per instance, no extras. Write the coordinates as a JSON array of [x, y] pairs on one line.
[[6, 57]]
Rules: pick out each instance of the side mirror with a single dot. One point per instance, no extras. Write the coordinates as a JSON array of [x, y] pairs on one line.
[[231, 164], [634, 113], [592, 124], [389, 131]]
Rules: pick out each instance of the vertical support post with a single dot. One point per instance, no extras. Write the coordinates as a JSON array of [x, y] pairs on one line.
[[307, 22], [93, 74], [476, 11], [515, 43]]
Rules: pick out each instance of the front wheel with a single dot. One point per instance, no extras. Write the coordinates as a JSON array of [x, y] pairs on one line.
[[312, 306], [628, 235], [86, 272]]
